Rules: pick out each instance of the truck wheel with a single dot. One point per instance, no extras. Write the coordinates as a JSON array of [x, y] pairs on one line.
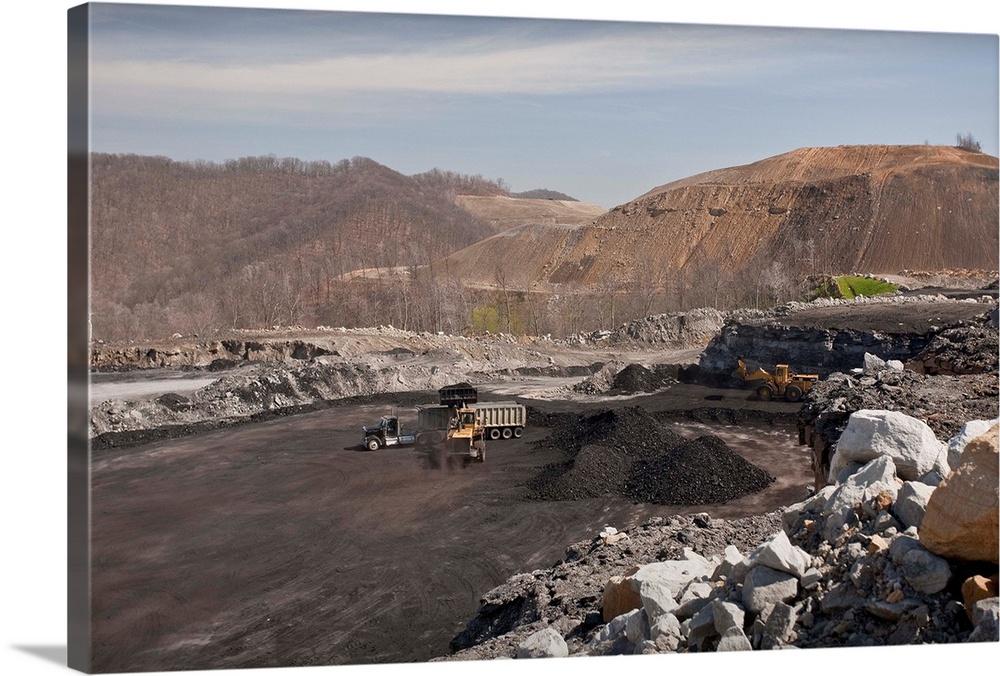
[[372, 444], [494, 433], [793, 393], [507, 433], [764, 393], [424, 440], [518, 431]]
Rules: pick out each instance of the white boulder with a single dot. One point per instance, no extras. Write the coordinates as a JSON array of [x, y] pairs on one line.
[[780, 554], [674, 575], [877, 478], [908, 441], [911, 503], [544, 643]]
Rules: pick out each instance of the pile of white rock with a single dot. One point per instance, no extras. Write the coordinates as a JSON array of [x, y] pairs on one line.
[[899, 549]]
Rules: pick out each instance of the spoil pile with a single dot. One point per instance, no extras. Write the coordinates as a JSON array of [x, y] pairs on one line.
[[960, 350], [253, 393], [872, 560], [680, 329], [628, 453], [637, 378], [618, 378], [944, 402]]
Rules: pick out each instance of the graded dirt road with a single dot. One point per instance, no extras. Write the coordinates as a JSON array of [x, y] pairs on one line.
[[282, 543]]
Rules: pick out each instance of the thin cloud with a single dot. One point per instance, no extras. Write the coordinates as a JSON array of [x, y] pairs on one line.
[[471, 67]]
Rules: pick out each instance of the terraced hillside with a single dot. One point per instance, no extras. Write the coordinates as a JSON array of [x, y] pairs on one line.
[[877, 208]]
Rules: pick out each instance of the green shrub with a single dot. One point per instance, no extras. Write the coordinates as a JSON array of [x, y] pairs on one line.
[[852, 286]]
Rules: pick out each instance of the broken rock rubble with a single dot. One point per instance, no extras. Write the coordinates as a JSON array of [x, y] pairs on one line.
[[849, 567]]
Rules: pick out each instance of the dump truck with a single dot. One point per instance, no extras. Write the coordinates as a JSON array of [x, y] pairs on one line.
[[459, 395], [499, 419], [784, 382], [457, 427], [389, 432]]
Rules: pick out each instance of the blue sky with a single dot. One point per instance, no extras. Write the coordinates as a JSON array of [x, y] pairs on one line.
[[601, 110]]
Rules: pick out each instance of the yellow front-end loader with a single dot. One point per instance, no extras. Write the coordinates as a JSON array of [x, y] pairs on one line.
[[783, 383], [466, 436]]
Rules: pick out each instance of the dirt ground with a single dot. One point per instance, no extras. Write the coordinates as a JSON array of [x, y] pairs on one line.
[[283, 543]]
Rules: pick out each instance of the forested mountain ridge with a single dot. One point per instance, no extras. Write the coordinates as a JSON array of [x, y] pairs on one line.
[[196, 246]]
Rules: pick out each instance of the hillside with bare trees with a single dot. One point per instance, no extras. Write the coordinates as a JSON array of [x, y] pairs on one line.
[[261, 241], [258, 241]]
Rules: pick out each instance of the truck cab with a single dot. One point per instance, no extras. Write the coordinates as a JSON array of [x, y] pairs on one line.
[[389, 432]]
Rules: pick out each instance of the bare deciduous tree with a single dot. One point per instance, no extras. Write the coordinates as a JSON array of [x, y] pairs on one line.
[[967, 142]]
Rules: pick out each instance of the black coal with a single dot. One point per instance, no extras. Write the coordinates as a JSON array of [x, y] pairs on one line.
[[628, 453]]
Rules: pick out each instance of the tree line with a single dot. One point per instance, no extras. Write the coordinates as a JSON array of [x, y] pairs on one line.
[[200, 246]]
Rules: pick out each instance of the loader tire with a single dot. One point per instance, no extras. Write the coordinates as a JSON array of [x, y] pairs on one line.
[[765, 393], [793, 393]]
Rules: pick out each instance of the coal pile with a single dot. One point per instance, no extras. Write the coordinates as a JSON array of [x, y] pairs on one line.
[[719, 475], [638, 378], [628, 453]]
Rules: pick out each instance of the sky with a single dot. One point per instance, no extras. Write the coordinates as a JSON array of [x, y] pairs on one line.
[[602, 110], [35, 253]]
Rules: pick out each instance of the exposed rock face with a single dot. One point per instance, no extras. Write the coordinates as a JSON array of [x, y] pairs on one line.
[[839, 335], [804, 348], [186, 353], [845, 208], [961, 521]]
